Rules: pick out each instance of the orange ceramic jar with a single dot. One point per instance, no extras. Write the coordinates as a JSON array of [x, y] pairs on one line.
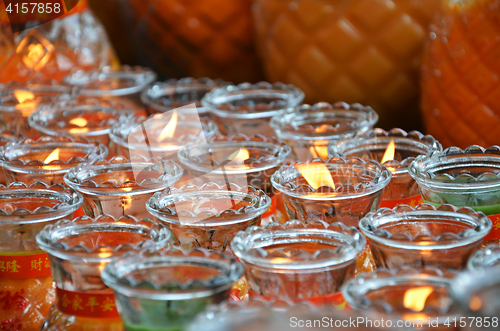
[[195, 38], [461, 74], [365, 51], [51, 50]]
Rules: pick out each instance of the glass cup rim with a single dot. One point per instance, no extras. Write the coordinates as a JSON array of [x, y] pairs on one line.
[[421, 169], [260, 203], [238, 141], [114, 273], [381, 178], [139, 76], [256, 237], [211, 100], [364, 117], [120, 163], [481, 225], [70, 202]]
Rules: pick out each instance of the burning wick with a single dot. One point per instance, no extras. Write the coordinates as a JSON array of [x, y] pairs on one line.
[[316, 175], [81, 122], [52, 156], [415, 298], [389, 152], [319, 151], [169, 129], [240, 155], [26, 100]]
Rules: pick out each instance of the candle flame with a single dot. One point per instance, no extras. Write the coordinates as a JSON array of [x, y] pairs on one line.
[[52, 156], [169, 129], [22, 96], [240, 155], [475, 303], [415, 298], [389, 152], [319, 151], [103, 255], [81, 122], [316, 175]]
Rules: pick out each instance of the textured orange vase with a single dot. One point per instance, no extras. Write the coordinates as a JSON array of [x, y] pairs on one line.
[[461, 74], [197, 38], [366, 51]]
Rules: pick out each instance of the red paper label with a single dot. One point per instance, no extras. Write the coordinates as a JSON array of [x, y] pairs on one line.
[[24, 266], [336, 300], [82, 304], [272, 209], [411, 201], [495, 230]]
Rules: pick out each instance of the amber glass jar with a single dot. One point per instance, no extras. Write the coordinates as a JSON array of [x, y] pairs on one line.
[[195, 38], [461, 74], [365, 51]]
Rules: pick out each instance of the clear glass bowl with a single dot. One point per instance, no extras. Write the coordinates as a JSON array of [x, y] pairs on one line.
[[467, 177], [47, 159], [8, 136], [485, 258], [238, 159], [19, 100], [146, 136], [425, 235], [310, 129], [26, 285], [208, 216], [298, 260], [88, 118], [248, 108], [122, 186], [124, 84], [373, 145], [421, 296], [165, 290], [79, 250], [174, 93], [338, 190]]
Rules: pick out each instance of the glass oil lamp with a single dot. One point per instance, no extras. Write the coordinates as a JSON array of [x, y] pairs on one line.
[[26, 285], [47, 159], [87, 118], [18, 101], [208, 216], [338, 190], [121, 186], [165, 290], [467, 177], [174, 93], [420, 298], [123, 84], [424, 235], [162, 135], [240, 160], [248, 108], [299, 260], [79, 250], [310, 129], [395, 149]]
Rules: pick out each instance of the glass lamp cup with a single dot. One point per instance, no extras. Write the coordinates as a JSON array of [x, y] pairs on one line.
[[87, 118], [338, 190], [8, 136], [485, 258], [147, 135], [248, 108], [165, 96], [121, 186], [298, 260], [79, 250], [478, 293], [18, 101], [374, 144], [467, 177], [208, 216], [123, 84], [420, 297], [425, 235], [310, 129], [26, 285], [165, 290], [47, 159]]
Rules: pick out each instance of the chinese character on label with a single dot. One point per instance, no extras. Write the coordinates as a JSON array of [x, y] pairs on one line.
[[92, 302], [64, 301], [36, 265], [13, 266], [108, 304], [77, 303]]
